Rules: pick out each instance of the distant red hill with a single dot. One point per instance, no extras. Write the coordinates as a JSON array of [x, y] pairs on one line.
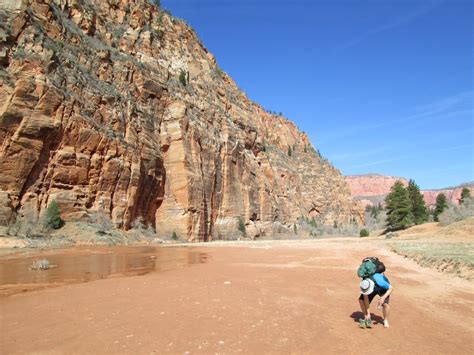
[[371, 189]]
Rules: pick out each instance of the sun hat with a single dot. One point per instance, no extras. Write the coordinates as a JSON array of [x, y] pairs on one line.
[[366, 286]]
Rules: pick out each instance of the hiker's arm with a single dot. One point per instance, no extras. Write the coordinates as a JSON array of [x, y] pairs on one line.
[[386, 294]]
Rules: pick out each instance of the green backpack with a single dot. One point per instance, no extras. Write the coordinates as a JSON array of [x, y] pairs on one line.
[[366, 269]]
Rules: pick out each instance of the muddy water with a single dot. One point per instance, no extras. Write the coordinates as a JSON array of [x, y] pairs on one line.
[[88, 264]]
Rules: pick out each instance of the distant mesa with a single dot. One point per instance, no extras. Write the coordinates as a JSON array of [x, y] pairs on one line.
[[371, 189]]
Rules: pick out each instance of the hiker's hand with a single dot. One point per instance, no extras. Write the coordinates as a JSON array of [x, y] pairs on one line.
[[381, 301]]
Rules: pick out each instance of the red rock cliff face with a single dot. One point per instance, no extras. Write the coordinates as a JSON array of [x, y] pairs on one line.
[[94, 115], [452, 194], [372, 184], [371, 189]]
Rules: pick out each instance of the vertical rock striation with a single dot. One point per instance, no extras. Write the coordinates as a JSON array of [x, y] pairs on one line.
[[116, 107]]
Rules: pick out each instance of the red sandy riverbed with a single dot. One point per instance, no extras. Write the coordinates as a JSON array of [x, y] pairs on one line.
[[290, 297]]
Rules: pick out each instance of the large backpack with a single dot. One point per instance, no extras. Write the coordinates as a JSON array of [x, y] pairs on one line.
[[370, 265]]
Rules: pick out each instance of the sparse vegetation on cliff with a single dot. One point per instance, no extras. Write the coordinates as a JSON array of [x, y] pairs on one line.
[[183, 77], [102, 222], [465, 195], [241, 226], [53, 216]]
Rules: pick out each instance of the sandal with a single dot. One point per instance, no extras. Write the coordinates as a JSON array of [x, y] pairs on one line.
[[362, 323], [368, 323]]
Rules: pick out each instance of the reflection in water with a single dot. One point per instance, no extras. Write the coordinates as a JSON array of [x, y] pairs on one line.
[[88, 264]]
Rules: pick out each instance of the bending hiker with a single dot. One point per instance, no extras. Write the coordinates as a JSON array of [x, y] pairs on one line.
[[369, 288], [374, 283]]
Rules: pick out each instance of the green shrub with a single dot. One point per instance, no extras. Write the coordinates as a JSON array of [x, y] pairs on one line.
[[174, 236], [53, 216], [289, 151], [242, 226], [219, 72], [364, 233], [295, 229], [183, 78]]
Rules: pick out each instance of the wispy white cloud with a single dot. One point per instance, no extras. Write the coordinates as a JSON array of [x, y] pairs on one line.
[[448, 107], [446, 103], [407, 18]]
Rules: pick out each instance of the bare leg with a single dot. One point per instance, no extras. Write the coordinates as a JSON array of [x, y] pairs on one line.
[[386, 313], [363, 308]]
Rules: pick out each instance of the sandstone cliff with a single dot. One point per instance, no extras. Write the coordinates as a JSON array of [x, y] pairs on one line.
[[453, 194], [372, 184], [371, 189], [116, 107]]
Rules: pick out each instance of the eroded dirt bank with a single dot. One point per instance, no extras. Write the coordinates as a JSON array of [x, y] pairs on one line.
[[298, 297]]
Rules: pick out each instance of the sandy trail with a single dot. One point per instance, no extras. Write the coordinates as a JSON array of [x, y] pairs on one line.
[[259, 298]]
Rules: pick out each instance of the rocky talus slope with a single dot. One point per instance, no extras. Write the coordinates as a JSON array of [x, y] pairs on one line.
[[115, 107]]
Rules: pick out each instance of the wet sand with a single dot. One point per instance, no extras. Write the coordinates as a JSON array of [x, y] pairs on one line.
[[85, 264], [289, 297]]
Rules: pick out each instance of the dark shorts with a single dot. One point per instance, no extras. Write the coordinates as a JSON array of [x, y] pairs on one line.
[[373, 294]]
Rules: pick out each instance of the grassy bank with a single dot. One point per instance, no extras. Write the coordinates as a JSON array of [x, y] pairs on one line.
[[450, 257]]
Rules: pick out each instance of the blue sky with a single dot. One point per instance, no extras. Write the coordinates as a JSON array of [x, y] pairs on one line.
[[380, 86]]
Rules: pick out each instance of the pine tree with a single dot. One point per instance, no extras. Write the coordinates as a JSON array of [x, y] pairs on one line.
[[418, 207], [289, 151], [399, 210], [441, 205], [465, 194], [52, 216]]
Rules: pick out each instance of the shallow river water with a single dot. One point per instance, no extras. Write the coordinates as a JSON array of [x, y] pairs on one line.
[[85, 264]]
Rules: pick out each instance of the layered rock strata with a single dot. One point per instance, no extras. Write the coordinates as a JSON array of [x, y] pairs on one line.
[[371, 189], [453, 194], [116, 108]]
